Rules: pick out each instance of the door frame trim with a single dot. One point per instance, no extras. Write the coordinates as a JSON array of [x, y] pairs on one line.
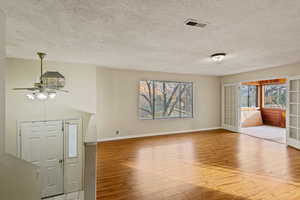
[[287, 106]]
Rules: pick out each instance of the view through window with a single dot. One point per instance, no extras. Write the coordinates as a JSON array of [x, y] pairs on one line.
[[165, 99], [248, 96], [275, 96]]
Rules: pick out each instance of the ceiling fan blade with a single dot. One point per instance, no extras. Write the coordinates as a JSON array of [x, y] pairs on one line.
[[31, 89], [66, 91]]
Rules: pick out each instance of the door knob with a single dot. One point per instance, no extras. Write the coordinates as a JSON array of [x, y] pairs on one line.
[[61, 161]]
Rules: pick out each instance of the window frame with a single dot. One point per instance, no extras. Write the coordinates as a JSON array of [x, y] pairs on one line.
[[153, 99]]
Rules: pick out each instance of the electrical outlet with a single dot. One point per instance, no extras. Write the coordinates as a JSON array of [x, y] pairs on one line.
[[117, 132]]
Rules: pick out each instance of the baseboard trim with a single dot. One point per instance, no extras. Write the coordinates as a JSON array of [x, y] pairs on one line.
[[157, 134]]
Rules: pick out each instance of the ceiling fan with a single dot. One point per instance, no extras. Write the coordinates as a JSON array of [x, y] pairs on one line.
[[50, 83]]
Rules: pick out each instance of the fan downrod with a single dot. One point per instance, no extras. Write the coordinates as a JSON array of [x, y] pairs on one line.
[[41, 55]]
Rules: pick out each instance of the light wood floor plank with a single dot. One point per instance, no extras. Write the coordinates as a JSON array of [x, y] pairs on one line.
[[207, 165]]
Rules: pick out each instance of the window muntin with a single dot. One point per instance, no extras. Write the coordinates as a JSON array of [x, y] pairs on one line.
[[165, 99], [72, 140], [248, 96], [146, 100], [275, 96], [187, 101]]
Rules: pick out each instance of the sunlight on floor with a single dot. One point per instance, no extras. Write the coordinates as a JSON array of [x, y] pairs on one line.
[[273, 133], [214, 178]]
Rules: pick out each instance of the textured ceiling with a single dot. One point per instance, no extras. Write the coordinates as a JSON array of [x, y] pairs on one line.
[[151, 35]]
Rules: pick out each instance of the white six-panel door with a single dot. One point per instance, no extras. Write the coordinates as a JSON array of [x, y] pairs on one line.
[[293, 113], [230, 107], [42, 145]]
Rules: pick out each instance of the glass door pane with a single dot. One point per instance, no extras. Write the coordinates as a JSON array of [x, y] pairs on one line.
[[293, 85], [72, 140], [293, 133], [230, 107], [293, 109]]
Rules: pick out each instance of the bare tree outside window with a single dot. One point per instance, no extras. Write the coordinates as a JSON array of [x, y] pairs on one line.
[[165, 99], [275, 96], [248, 95], [146, 100]]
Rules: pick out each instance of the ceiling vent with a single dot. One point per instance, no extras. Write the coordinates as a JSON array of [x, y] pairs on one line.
[[194, 22]]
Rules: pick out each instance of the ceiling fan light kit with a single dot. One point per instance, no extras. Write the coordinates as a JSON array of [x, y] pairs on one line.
[[41, 95], [30, 96], [50, 83]]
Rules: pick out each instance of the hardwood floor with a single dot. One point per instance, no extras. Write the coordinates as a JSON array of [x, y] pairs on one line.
[[208, 165]]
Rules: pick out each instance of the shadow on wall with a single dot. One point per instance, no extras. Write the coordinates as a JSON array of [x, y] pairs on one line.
[[89, 126]]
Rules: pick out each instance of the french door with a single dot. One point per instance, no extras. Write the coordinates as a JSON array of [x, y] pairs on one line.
[[230, 107], [42, 144], [293, 113]]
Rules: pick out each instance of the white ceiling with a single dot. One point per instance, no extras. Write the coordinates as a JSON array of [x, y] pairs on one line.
[[151, 35]]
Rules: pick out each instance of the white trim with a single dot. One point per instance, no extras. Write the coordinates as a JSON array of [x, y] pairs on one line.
[[230, 84], [297, 77], [157, 134], [260, 79]]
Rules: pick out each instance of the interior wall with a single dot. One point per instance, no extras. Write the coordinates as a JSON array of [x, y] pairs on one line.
[[80, 102], [117, 103], [2, 82], [270, 73]]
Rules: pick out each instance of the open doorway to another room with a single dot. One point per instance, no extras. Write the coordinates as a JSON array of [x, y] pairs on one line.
[[263, 109]]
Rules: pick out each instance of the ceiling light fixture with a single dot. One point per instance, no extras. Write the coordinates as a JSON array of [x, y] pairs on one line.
[[30, 96], [218, 57], [52, 95], [42, 96]]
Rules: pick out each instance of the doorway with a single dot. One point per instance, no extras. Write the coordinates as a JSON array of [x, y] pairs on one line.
[[56, 147], [263, 106]]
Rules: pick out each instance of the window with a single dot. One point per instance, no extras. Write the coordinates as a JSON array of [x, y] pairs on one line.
[[248, 96], [275, 96], [165, 99], [72, 140]]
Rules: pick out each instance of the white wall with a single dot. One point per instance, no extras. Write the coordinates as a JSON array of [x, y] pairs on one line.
[[117, 103], [80, 102], [11, 168], [274, 72], [2, 82], [19, 179]]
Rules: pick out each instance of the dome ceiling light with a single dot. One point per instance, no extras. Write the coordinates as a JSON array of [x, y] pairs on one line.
[[218, 57]]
